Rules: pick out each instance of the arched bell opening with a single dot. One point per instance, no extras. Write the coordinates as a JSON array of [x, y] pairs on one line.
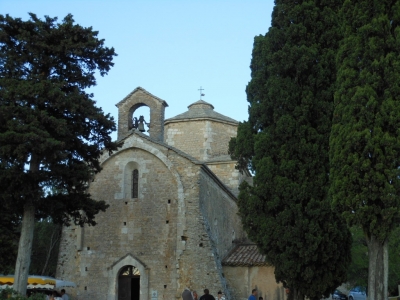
[[129, 283], [139, 118]]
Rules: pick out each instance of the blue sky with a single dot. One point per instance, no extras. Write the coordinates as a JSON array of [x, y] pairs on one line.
[[170, 47]]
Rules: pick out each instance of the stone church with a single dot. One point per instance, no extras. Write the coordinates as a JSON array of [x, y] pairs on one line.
[[172, 220]]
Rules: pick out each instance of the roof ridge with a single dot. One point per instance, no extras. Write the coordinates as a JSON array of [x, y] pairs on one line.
[[139, 88], [180, 152], [206, 114], [201, 102]]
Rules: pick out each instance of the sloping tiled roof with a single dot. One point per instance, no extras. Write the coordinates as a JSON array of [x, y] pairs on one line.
[[244, 255], [201, 110]]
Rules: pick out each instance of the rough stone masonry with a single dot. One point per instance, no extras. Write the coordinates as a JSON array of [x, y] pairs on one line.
[[183, 222]]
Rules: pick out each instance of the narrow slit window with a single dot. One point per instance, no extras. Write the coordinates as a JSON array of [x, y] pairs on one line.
[[135, 183]]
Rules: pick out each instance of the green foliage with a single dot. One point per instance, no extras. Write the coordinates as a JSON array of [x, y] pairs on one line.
[[365, 139], [8, 239], [45, 248], [37, 296], [286, 141], [51, 134], [241, 147], [358, 270], [394, 261], [10, 294]]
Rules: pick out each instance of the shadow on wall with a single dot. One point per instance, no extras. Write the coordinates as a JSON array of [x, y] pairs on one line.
[[279, 294]]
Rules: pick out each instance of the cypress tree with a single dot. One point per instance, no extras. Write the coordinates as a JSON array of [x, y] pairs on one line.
[[285, 143], [365, 140]]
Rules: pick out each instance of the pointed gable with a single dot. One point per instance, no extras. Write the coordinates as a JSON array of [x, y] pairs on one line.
[[140, 89], [137, 98]]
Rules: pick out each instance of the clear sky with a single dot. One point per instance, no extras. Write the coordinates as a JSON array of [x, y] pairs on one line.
[[171, 48]]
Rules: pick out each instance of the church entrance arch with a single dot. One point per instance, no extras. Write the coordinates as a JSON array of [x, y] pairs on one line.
[[137, 277], [129, 283]]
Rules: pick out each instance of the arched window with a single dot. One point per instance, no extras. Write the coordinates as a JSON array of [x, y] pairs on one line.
[[130, 271], [135, 184]]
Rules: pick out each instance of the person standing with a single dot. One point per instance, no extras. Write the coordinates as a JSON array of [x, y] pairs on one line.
[[187, 294], [253, 295], [219, 296], [53, 296], [195, 296], [64, 296], [207, 295]]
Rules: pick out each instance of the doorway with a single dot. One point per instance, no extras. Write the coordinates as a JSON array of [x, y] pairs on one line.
[[129, 283]]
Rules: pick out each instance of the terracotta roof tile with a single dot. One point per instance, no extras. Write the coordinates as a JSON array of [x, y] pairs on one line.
[[245, 255]]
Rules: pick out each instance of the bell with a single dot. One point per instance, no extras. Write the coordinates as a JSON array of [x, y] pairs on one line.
[[141, 127]]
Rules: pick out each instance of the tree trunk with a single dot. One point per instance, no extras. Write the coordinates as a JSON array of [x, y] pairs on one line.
[[378, 269], [24, 250], [26, 239], [297, 295]]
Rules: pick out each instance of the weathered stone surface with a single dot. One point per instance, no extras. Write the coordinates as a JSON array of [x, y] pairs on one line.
[[137, 98], [244, 279], [183, 221], [201, 132]]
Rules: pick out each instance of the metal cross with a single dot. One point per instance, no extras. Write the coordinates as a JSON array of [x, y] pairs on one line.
[[201, 92]]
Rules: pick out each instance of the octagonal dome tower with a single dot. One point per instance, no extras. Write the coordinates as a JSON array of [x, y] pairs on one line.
[[201, 132]]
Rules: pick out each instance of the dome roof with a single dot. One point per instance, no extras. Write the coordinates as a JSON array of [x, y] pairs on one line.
[[201, 110]]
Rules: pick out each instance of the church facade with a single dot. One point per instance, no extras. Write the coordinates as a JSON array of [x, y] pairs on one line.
[[172, 220]]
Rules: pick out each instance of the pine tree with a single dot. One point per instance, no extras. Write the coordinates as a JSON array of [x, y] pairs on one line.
[[365, 140], [285, 143], [51, 132], [9, 222]]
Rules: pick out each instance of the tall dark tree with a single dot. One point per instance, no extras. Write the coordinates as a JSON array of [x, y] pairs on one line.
[[51, 132], [365, 139], [8, 238], [285, 143]]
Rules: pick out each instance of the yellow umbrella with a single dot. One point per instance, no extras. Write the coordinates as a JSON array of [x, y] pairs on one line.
[[6, 280], [33, 281]]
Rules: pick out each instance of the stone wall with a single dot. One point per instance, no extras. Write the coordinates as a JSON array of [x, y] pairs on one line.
[[69, 255], [144, 228], [202, 139], [219, 209], [226, 172], [199, 267], [243, 279], [140, 97], [223, 225], [162, 232]]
